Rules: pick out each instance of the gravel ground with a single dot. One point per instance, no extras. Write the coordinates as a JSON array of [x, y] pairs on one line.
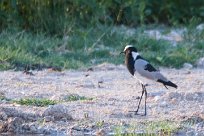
[[114, 92]]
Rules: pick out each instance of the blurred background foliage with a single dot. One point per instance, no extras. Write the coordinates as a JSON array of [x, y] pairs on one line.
[[56, 16], [80, 33]]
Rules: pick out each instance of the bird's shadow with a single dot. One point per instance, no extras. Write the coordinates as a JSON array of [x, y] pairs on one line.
[[133, 114], [128, 115]]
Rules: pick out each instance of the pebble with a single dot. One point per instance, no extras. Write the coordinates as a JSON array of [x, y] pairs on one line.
[[175, 95], [190, 133], [163, 104], [159, 93], [200, 63], [33, 128], [3, 116], [15, 124], [101, 132], [3, 126], [200, 133], [196, 96], [187, 66], [200, 27], [200, 126], [49, 118], [58, 112], [157, 98]]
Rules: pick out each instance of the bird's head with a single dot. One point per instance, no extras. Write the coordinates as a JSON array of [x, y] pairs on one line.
[[128, 49]]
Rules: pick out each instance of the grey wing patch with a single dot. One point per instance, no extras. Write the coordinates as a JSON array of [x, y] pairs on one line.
[[149, 68]]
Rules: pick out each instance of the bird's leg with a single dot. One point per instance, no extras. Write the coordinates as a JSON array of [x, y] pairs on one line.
[[145, 91], [139, 100]]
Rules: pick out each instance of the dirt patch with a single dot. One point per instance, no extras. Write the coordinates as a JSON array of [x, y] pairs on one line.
[[113, 92]]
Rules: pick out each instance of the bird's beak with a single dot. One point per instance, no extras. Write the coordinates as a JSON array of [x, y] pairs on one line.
[[122, 52]]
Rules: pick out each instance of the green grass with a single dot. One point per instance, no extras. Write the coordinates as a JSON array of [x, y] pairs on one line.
[[76, 98], [42, 102], [162, 127], [4, 98], [150, 128], [85, 47], [35, 102]]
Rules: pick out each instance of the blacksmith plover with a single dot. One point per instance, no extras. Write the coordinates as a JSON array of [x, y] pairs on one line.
[[139, 67]]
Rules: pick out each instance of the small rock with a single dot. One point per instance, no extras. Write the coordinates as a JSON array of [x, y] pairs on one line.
[[15, 124], [200, 126], [58, 112], [101, 132], [163, 104], [77, 131], [51, 131], [166, 112], [189, 97], [174, 101], [200, 63], [199, 133], [3, 116], [33, 128], [187, 66], [194, 119], [196, 96], [190, 133], [88, 84], [3, 126], [105, 66], [159, 93], [200, 27], [117, 115], [175, 95], [25, 127], [157, 98], [12, 112], [49, 118]]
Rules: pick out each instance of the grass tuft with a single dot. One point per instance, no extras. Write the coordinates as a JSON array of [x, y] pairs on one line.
[[150, 128], [35, 102], [94, 45], [75, 97]]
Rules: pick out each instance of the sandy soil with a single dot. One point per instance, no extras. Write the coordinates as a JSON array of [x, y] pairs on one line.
[[115, 92]]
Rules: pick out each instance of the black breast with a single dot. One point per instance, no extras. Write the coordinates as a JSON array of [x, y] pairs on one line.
[[129, 61]]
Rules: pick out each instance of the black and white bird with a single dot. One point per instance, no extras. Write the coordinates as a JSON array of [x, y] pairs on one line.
[[141, 68]]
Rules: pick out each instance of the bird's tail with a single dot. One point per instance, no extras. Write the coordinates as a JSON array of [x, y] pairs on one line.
[[169, 83]]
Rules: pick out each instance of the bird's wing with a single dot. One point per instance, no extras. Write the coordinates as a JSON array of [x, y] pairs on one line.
[[145, 69], [149, 68]]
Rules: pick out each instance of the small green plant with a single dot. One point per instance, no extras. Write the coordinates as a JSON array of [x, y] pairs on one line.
[[75, 97], [41, 121], [118, 131], [93, 46], [35, 102], [161, 127], [150, 128], [2, 97], [100, 123]]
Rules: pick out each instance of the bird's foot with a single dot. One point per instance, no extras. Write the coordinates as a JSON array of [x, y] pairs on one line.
[[135, 112]]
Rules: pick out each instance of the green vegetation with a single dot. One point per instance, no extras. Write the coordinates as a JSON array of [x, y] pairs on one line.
[[57, 16], [92, 46], [162, 127], [35, 102], [71, 34], [44, 101], [76, 98], [149, 128], [4, 98]]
